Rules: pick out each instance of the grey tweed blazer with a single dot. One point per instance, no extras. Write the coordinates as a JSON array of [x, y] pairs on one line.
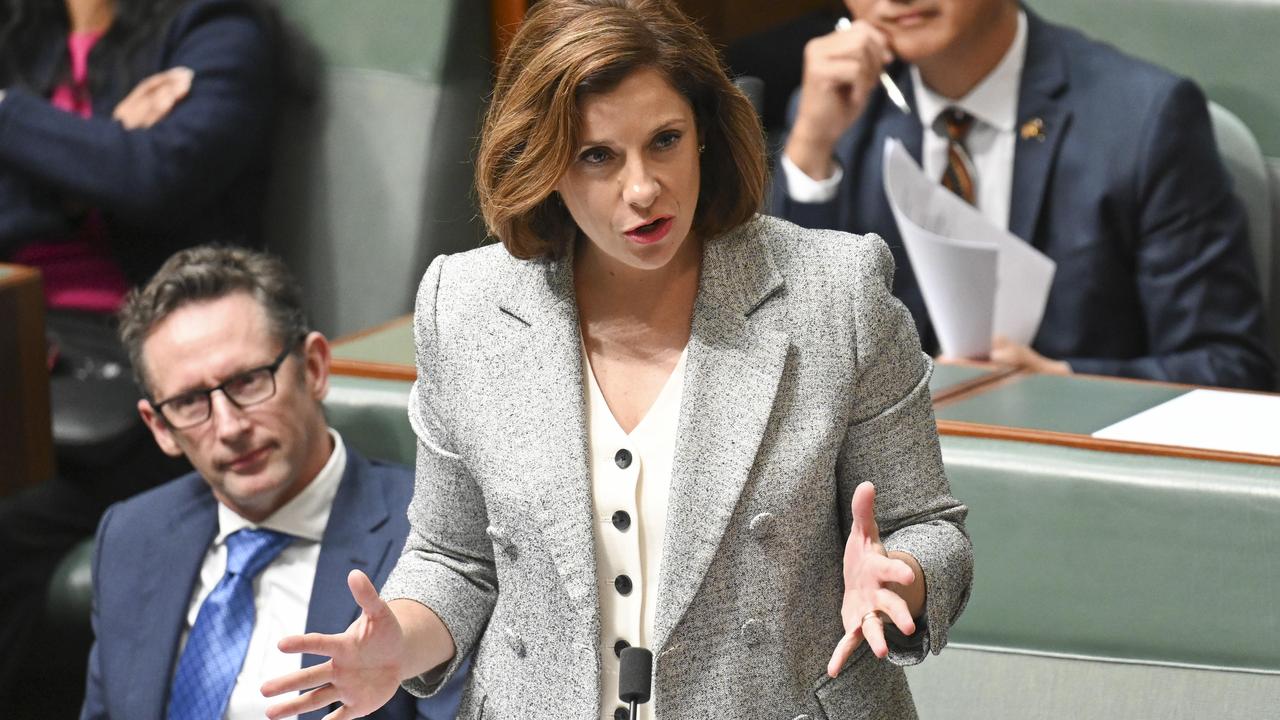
[[804, 378]]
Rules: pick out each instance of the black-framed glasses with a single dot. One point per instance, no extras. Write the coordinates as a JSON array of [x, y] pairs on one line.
[[247, 388]]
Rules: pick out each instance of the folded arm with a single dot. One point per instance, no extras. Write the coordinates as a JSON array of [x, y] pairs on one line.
[[158, 175]]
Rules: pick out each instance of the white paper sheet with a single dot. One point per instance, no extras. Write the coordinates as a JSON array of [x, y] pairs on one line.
[[1207, 419], [978, 279]]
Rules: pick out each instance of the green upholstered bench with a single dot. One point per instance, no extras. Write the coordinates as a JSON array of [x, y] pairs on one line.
[[1111, 586]]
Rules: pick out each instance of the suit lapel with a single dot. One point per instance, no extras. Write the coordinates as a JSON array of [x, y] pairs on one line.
[[171, 569], [544, 355], [870, 209], [734, 364], [357, 536], [1042, 124]]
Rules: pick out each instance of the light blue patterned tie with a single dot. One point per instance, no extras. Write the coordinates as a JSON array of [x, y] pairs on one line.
[[218, 642]]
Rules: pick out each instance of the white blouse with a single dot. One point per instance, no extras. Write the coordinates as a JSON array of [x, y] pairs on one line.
[[630, 477]]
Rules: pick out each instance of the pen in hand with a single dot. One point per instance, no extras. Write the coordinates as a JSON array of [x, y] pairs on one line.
[[895, 94]]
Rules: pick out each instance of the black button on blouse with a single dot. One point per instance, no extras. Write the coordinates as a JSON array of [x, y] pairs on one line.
[[623, 458], [621, 520], [622, 584]]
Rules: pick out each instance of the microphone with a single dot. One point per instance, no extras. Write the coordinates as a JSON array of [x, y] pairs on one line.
[[635, 674]]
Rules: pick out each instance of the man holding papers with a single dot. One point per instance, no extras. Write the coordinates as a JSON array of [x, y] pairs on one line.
[[1103, 163]]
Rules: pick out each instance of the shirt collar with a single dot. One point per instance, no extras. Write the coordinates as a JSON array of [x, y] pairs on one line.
[[306, 515], [993, 101]]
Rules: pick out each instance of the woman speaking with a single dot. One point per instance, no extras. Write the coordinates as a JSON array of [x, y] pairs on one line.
[[651, 417]]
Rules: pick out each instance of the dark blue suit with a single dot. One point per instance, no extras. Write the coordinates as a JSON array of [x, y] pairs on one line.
[[198, 175], [147, 558], [1124, 190]]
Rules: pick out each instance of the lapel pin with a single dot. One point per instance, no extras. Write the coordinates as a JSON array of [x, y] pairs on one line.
[[1033, 128]]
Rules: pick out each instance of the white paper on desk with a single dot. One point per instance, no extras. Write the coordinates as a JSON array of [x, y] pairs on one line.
[[1207, 419], [978, 279]]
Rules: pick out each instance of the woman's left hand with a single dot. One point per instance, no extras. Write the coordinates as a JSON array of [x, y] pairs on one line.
[[868, 573]]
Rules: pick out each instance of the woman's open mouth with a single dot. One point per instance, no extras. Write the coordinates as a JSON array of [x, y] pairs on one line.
[[650, 232]]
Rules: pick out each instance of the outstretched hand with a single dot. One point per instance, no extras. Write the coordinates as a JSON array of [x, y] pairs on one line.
[[363, 670], [868, 570]]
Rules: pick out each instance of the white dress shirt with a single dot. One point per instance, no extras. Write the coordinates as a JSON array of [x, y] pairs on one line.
[[630, 545], [282, 592], [993, 103]]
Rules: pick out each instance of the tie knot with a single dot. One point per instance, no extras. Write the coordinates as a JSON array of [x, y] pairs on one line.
[[249, 551], [958, 123]]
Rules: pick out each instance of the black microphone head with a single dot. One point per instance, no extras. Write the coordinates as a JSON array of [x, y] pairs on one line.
[[635, 674]]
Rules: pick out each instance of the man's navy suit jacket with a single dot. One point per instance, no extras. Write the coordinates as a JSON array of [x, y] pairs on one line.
[[147, 558], [1124, 190]]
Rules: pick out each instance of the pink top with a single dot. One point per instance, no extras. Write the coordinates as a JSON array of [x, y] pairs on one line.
[[78, 272]]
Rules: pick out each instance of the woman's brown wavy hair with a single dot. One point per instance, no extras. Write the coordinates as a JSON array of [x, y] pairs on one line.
[[568, 49]]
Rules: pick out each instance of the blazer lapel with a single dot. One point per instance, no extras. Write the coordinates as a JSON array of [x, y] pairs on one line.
[[734, 364], [544, 355], [171, 569], [1042, 124]]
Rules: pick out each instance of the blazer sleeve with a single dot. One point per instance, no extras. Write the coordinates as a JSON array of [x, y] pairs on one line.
[[892, 442], [95, 703], [818, 216], [1193, 267], [159, 176], [447, 563], [26, 212]]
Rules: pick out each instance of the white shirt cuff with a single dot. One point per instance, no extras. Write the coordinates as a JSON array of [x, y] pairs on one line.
[[804, 189]]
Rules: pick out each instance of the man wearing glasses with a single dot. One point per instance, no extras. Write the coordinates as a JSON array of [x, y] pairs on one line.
[[196, 581]]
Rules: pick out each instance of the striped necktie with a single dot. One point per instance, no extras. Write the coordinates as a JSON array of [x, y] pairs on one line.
[[216, 647], [958, 177]]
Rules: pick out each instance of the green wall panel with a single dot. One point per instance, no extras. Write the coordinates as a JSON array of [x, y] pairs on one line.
[[405, 36]]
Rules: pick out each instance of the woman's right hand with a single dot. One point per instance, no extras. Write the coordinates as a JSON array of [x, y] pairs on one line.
[[364, 667]]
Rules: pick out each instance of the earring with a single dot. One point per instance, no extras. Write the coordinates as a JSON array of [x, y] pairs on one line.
[[702, 148]]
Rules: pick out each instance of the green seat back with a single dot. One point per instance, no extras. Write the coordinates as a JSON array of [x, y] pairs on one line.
[[373, 176]]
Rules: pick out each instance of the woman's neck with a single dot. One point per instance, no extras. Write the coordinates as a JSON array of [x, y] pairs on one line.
[[90, 15], [637, 307]]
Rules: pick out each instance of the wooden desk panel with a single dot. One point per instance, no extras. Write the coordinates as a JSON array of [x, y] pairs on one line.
[[26, 434], [383, 352], [1067, 410]]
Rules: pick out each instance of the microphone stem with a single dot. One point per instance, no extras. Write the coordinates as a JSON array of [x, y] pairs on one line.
[[631, 715]]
